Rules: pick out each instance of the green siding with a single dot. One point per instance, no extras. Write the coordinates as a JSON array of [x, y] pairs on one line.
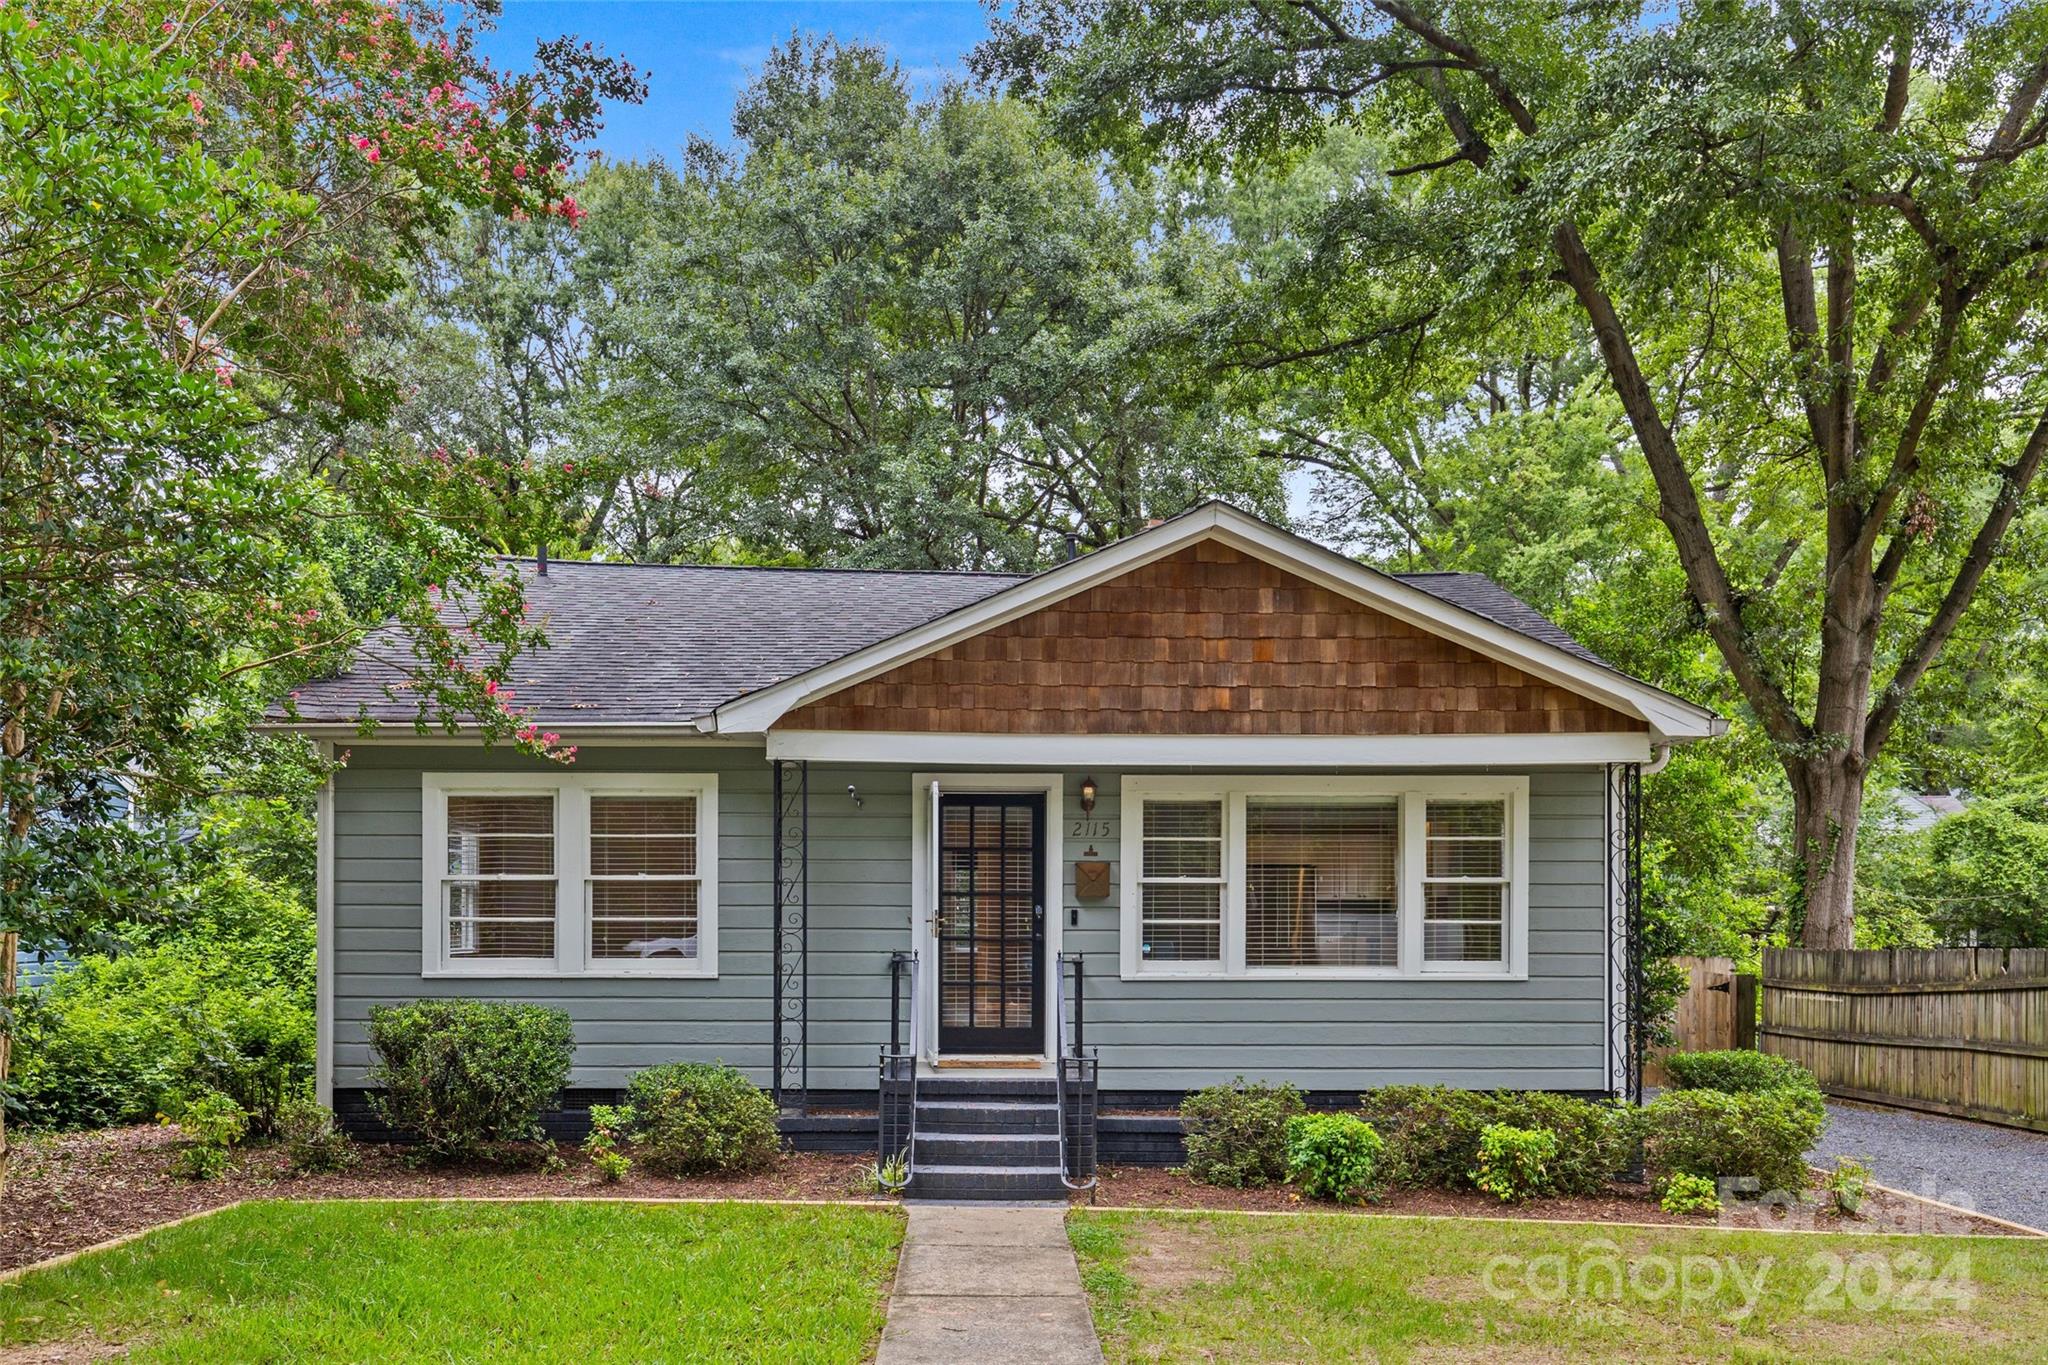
[[1546, 1031]]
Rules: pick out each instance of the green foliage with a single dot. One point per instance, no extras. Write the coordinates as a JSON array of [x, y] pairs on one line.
[[911, 333], [1689, 1194], [119, 1041], [1741, 1071], [1979, 876], [610, 1127], [210, 1123], [1237, 1134], [1433, 1134], [1848, 1183], [1331, 1156], [1760, 1135], [1514, 1163], [690, 1118], [462, 1074], [313, 1145]]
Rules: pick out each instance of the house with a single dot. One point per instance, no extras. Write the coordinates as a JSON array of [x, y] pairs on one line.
[[1211, 801]]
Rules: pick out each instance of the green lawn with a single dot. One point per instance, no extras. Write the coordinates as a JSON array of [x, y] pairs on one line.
[[396, 1281], [1177, 1286]]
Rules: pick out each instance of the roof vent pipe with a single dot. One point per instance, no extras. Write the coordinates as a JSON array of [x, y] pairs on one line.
[[1073, 546], [541, 561]]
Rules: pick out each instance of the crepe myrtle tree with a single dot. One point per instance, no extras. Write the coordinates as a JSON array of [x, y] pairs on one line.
[[1808, 243], [158, 585]]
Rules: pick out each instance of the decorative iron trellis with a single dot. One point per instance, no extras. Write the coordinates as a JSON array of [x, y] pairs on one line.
[[1625, 929], [791, 1083]]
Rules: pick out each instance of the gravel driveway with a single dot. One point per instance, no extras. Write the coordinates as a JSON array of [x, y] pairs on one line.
[[1999, 1171]]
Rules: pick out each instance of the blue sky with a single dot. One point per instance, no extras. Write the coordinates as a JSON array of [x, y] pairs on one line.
[[696, 54]]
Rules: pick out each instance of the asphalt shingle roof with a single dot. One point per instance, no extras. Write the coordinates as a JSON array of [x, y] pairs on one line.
[[636, 644], [632, 644]]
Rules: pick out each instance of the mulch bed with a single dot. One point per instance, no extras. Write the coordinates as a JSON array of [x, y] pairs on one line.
[[72, 1190], [1154, 1187]]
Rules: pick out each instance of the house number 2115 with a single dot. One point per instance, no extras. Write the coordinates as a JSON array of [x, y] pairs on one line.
[[1089, 829]]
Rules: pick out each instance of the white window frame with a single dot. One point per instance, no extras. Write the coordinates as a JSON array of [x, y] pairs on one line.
[[571, 793], [1412, 795]]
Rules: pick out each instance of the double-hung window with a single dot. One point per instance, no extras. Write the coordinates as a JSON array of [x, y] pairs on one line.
[[1324, 876], [565, 874]]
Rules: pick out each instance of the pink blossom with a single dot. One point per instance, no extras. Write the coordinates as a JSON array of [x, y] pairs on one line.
[[243, 61], [519, 170], [192, 98], [224, 373], [490, 687]]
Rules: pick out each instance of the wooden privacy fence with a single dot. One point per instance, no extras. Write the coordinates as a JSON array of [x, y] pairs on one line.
[[1956, 1030], [1717, 1011]]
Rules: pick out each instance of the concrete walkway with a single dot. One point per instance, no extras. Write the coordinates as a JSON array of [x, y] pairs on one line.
[[988, 1282]]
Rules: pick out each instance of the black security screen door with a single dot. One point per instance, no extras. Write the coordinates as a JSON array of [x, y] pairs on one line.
[[991, 923]]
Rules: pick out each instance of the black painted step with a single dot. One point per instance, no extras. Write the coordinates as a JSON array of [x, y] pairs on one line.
[[987, 1116], [947, 1181], [988, 1149], [964, 1088]]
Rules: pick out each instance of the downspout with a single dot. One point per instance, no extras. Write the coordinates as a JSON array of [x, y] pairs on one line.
[[1660, 758]]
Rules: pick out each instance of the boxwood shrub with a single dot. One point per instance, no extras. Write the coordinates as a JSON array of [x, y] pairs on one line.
[[1759, 1134], [1237, 1133], [689, 1118], [1743, 1072], [1433, 1133], [460, 1075]]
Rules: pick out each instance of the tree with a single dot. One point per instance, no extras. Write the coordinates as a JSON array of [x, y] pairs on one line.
[[1806, 242], [160, 317], [1977, 877], [911, 334]]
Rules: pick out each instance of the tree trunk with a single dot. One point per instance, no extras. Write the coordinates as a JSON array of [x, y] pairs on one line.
[[1827, 809], [10, 944]]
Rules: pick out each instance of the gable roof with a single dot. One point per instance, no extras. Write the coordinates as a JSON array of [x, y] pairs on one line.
[[1552, 655], [731, 649]]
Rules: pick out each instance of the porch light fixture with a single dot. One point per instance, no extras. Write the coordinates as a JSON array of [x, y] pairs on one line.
[[1087, 796]]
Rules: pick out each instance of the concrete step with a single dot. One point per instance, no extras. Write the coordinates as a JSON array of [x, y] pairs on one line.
[[966, 1181], [988, 1149], [987, 1116]]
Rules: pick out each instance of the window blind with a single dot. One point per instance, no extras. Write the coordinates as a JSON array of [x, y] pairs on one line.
[[643, 877], [1321, 884], [1465, 881], [499, 880], [1181, 882]]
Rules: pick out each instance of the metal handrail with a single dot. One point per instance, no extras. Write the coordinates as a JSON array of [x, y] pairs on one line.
[[900, 961], [1060, 1059]]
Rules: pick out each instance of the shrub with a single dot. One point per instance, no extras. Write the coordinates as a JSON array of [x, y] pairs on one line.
[[461, 1074], [1331, 1156], [209, 1124], [1514, 1163], [1237, 1133], [1742, 1072], [690, 1118], [1433, 1134], [1689, 1194], [609, 1125], [313, 1145], [1709, 1133], [120, 1040], [1848, 1183]]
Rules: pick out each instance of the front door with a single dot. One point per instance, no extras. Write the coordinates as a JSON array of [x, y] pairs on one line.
[[991, 923]]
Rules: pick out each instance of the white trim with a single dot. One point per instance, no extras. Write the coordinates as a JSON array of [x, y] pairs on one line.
[[323, 936], [1213, 751], [572, 793], [1669, 716], [1411, 791], [923, 896]]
